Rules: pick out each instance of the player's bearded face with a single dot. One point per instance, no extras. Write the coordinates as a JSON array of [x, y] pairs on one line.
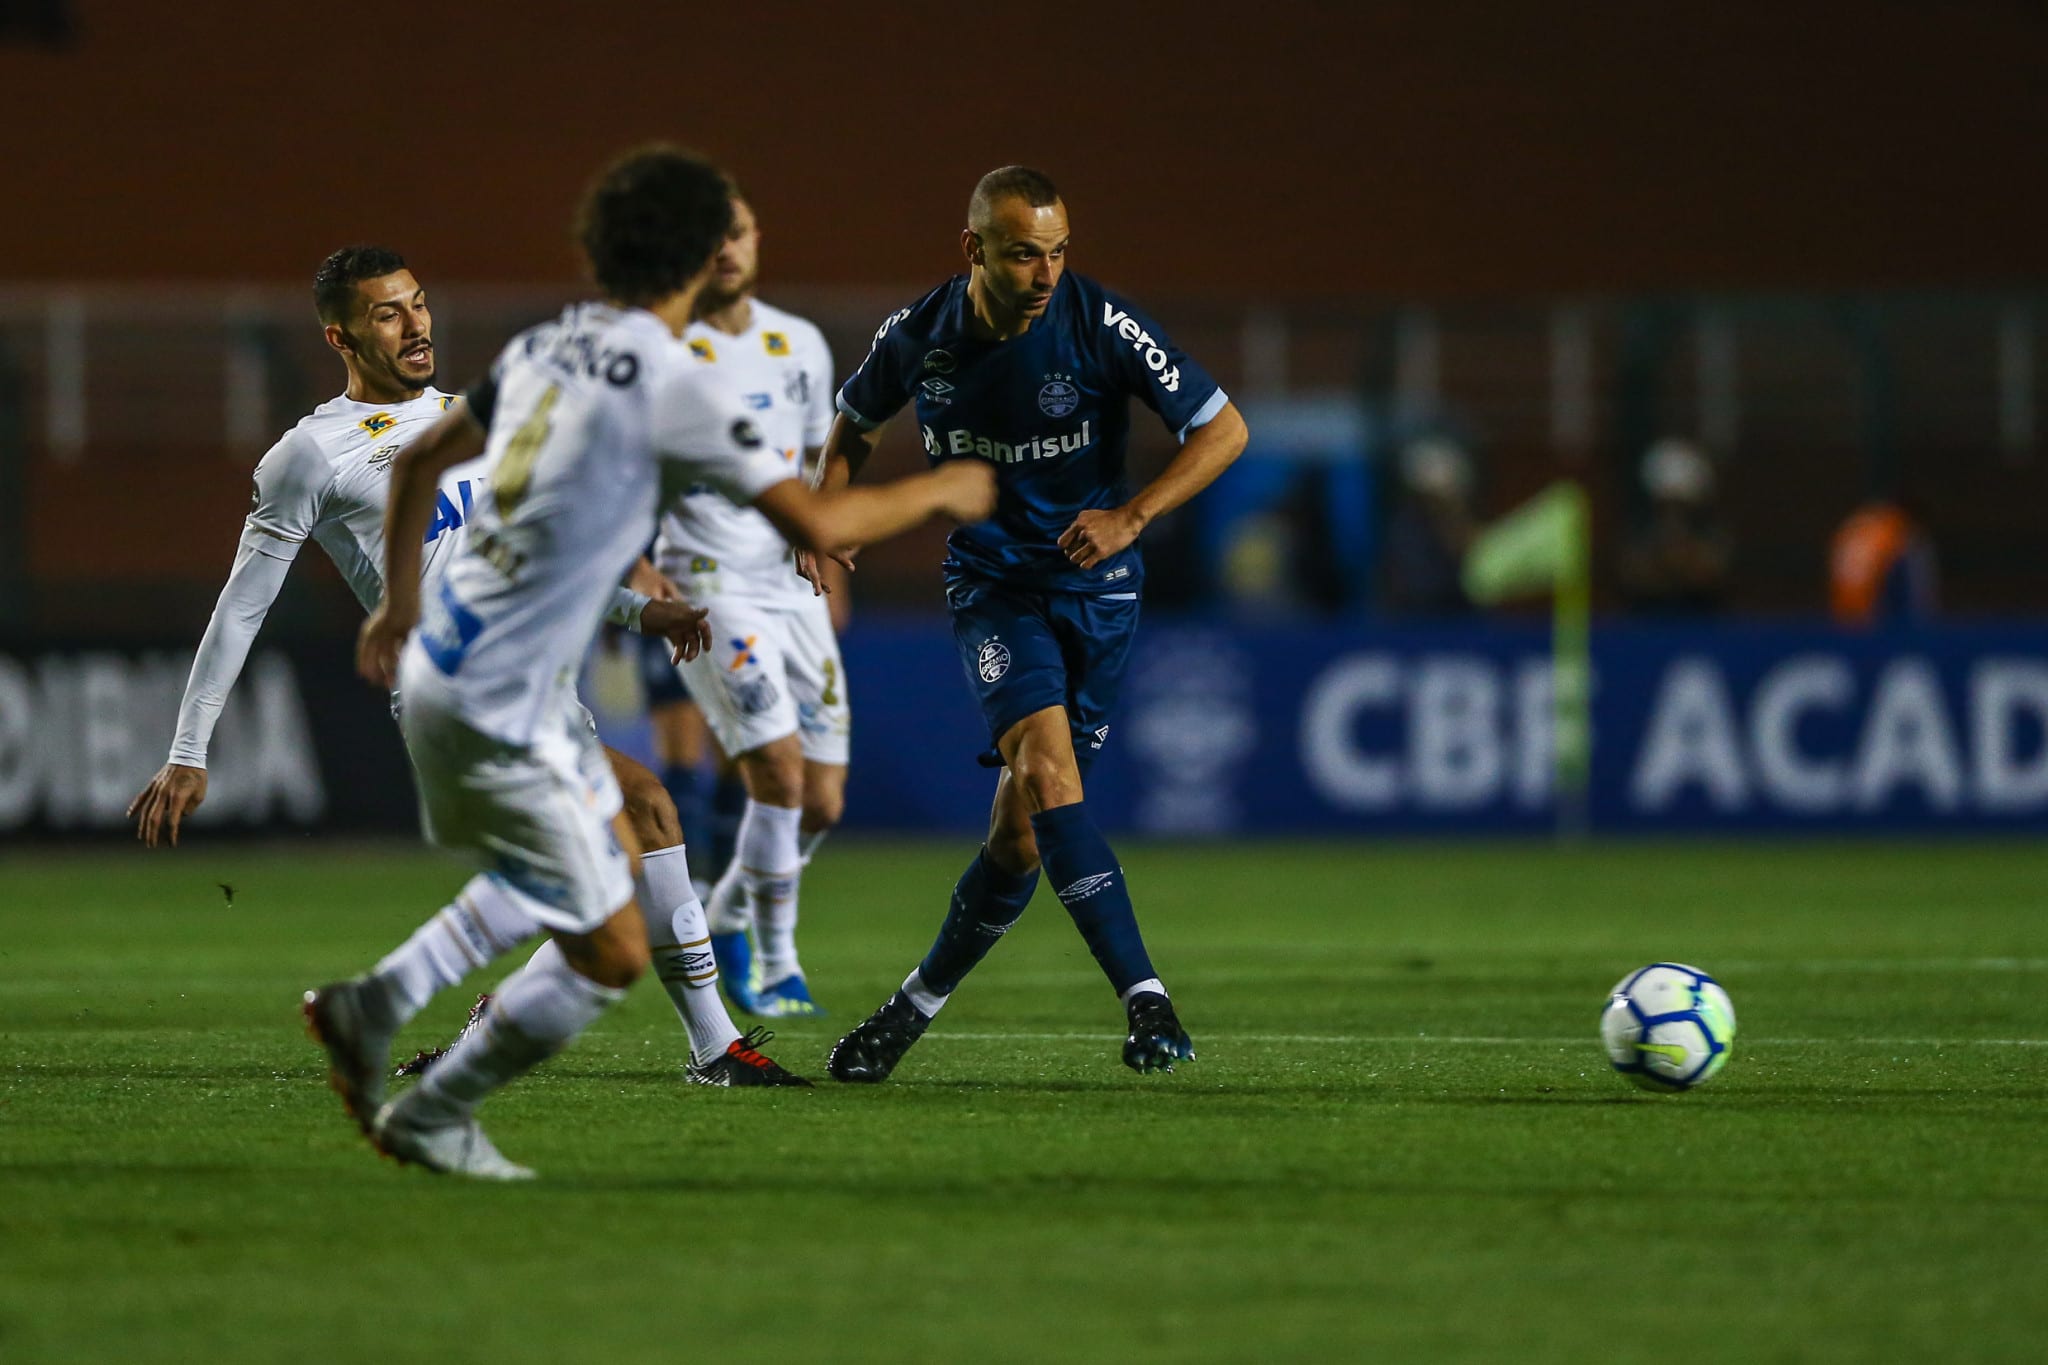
[[393, 336], [1023, 253], [738, 262]]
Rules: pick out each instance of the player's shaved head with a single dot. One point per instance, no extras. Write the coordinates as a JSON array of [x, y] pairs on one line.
[[1016, 246], [652, 221], [1034, 188]]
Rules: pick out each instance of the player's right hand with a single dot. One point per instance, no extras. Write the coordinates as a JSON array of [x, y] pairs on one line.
[[808, 568], [966, 489], [686, 628], [175, 792], [378, 644]]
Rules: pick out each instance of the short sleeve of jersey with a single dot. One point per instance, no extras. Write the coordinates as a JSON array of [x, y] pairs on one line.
[[819, 405], [699, 423], [1131, 345], [881, 386], [291, 483]]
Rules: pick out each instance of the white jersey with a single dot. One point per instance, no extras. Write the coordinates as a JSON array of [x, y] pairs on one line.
[[596, 419], [326, 480], [330, 476], [782, 370]]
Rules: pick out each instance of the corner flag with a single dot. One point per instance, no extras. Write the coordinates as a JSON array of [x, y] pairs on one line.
[[1545, 545]]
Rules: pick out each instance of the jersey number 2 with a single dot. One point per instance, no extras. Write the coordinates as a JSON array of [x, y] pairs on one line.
[[514, 474]]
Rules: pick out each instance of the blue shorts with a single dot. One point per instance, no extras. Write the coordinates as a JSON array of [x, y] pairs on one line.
[[659, 678], [1024, 651]]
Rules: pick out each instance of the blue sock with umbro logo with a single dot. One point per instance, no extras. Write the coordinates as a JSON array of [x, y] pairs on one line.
[[1091, 885], [986, 902]]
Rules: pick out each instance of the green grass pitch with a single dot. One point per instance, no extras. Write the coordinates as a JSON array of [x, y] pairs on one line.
[[1400, 1141]]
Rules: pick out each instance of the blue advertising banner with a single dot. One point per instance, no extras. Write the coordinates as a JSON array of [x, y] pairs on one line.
[[1293, 730]]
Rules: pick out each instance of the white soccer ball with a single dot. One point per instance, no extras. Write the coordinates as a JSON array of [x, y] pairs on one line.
[[1668, 1026]]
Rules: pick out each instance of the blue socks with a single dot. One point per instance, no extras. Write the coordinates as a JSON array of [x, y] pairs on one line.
[[690, 789], [1091, 885], [986, 903], [728, 803]]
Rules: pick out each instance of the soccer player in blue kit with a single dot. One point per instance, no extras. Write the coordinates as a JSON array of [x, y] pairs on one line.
[[1031, 368]]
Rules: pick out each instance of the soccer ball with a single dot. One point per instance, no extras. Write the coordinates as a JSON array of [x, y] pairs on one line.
[[1668, 1026]]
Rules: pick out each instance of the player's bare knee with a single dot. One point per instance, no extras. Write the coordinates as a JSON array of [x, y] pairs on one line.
[[1046, 781], [822, 809], [652, 813], [774, 774]]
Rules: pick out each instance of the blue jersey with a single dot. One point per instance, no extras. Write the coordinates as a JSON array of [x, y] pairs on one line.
[[1049, 409]]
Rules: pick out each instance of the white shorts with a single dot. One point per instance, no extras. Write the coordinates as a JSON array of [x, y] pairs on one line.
[[773, 671], [540, 817]]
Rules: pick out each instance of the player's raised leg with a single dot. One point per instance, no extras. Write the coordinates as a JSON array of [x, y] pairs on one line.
[[356, 1020], [537, 1012]]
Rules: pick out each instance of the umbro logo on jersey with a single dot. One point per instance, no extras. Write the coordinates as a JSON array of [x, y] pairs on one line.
[[377, 423], [1086, 887], [938, 390], [777, 343], [1101, 737], [1142, 341], [384, 455]]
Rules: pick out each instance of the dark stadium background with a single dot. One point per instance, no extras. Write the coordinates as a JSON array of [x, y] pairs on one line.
[[1810, 239]]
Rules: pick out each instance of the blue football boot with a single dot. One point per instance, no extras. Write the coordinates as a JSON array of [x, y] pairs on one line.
[[786, 999], [734, 953]]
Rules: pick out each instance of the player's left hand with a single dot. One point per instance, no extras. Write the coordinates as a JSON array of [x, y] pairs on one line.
[[1099, 533], [686, 628], [379, 642], [649, 581]]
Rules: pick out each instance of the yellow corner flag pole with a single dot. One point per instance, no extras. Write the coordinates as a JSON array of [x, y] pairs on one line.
[[1545, 545]]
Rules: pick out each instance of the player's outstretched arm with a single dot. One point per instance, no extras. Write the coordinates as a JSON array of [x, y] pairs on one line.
[[961, 490], [415, 475], [1208, 451], [179, 787], [847, 448]]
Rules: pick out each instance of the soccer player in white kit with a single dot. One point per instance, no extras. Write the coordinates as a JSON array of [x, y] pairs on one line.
[[771, 685], [326, 481], [583, 423]]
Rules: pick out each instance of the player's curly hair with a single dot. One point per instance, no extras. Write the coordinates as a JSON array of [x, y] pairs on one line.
[[651, 221], [334, 283]]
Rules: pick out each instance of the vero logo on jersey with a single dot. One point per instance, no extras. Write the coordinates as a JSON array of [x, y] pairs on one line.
[[1142, 341]]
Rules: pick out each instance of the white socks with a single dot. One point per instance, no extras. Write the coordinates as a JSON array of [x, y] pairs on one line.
[[534, 1015], [766, 866], [681, 943], [481, 924], [927, 1000]]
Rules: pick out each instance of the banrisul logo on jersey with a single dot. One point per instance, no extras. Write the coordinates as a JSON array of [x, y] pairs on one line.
[[964, 442], [1145, 344]]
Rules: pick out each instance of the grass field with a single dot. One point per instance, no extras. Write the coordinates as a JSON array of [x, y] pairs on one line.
[[1400, 1142]]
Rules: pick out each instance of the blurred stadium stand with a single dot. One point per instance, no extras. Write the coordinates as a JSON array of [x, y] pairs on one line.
[[130, 418]]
